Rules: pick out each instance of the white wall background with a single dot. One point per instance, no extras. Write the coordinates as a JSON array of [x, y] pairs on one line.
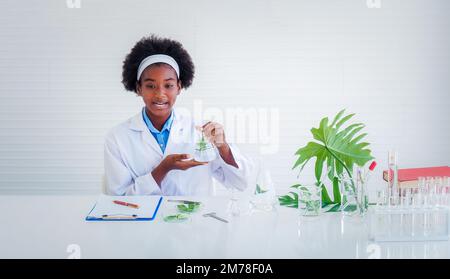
[[60, 73]]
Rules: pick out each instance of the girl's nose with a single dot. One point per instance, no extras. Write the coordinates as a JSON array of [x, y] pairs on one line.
[[160, 93], [159, 90]]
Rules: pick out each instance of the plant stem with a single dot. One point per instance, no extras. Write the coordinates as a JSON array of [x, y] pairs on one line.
[[345, 167]]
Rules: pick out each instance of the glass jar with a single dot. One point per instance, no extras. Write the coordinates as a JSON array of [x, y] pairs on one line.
[[309, 199], [354, 195]]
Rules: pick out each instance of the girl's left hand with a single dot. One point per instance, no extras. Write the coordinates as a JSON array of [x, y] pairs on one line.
[[215, 133]]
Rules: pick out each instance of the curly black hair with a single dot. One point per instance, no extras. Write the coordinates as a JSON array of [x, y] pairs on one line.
[[155, 45]]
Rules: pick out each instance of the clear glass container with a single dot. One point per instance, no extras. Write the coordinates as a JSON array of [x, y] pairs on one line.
[[349, 204], [354, 194], [263, 198], [309, 199], [204, 150]]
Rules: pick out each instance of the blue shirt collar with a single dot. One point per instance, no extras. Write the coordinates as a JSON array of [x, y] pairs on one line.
[[152, 128]]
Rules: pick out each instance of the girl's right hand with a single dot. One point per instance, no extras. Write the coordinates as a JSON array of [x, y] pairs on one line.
[[180, 162], [174, 162]]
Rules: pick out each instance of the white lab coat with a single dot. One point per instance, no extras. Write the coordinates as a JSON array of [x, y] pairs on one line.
[[131, 153]]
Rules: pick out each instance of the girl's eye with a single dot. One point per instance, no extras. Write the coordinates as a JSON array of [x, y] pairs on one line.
[[151, 86], [169, 85]]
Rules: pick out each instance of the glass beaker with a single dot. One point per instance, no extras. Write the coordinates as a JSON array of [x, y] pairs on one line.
[[263, 198], [348, 195], [234, 208], [310, 199], [354, 195], [204, 150]]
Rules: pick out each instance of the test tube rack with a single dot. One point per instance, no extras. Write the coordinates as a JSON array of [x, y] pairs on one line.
[[398, 223]]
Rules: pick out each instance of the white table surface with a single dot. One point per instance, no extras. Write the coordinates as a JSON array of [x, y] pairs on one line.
[[45, 226]]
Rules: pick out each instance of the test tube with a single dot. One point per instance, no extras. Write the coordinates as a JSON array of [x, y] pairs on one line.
[[431, 190], [446, 191], [421, 219], [414, 210], [422, 191], [415, 197], [408, 197], [438, 182], [392, 178], [381, 197]]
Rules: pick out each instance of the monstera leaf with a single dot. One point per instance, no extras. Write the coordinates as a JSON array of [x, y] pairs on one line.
[[338, 148]]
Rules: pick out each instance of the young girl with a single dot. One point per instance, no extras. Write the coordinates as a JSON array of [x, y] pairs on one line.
[[149, 154]]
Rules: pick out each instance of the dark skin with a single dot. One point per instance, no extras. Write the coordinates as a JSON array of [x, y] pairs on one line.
[[159, 88]]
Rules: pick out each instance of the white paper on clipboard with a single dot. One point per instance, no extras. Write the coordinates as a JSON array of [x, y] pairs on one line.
[[105, 206]]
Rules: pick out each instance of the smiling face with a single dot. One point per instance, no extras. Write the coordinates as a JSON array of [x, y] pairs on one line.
[[159, 88]]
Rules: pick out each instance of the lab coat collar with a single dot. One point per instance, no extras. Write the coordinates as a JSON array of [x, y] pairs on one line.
[[137, 124]]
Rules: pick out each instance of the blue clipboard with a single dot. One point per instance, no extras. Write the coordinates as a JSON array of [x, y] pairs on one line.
[[124, 217]]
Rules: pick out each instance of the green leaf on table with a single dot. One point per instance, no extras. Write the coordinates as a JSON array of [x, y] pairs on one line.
[[176, 218], [189, 207], [334, 208], [350, 208], [289, 200]]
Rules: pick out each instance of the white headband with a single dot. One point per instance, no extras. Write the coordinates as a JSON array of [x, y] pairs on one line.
[[157, 58]]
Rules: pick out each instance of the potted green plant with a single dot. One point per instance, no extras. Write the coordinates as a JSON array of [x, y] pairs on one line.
[[336, 148]]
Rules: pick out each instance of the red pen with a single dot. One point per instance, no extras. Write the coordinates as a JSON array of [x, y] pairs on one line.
[[126, 204]]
